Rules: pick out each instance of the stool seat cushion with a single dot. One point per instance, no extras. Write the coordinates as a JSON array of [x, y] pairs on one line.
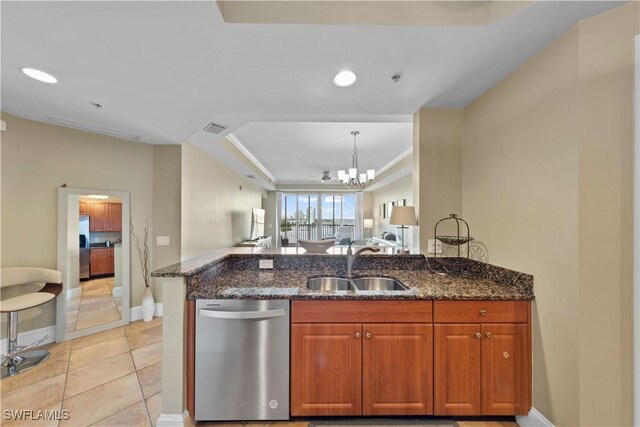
[[23, 302]]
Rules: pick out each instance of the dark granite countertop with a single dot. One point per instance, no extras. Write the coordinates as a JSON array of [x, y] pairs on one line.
[[234, 274], [291, 284]]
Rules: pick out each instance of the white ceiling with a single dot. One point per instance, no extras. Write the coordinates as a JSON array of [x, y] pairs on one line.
[[298, 152], [162, 70]]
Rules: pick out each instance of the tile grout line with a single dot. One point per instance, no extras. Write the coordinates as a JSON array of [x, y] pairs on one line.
[[135, 367]]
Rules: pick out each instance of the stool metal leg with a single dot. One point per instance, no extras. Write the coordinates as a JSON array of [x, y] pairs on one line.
[[15, 363]]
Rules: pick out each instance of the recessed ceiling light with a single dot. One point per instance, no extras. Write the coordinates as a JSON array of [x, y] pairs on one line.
[[39, 75], [344, 78], [98, 196]]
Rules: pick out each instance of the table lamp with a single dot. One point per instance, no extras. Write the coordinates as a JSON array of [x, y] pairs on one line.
[[403, 216]]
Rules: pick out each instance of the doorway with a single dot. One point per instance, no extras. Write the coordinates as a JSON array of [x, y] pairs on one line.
[[93, 255]]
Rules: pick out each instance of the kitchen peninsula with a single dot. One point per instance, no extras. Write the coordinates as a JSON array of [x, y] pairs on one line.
[[444, 345]]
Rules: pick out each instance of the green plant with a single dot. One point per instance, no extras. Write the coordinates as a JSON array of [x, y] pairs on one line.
[[285, 226]]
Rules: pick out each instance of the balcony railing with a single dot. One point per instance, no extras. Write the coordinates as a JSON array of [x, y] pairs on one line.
[[310, 232]]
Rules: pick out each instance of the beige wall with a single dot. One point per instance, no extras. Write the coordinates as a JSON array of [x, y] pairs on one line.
[[399, 189], [36, 159], [547, 176], [437, 169], [520, 197], [167, 193], [606, 215], [216, 212]]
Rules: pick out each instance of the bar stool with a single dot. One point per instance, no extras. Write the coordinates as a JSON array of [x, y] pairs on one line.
[[15, 360]]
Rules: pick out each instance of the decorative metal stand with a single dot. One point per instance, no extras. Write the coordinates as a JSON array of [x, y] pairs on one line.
[[457, 240]]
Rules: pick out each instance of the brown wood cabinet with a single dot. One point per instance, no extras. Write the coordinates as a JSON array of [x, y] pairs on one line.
[[83, 208], [397, 369], [326, 374], [457, 370], [105, 216], [98, 217], [482, 368], [101, 261], [356, 368], [505, 365]]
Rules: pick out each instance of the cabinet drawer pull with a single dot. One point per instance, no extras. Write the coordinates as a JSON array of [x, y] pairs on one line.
[[483, 312], [357, 334], [478, 335], [368, 335], [487, 334]]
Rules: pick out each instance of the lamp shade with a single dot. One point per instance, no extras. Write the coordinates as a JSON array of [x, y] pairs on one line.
[[403, 215], [368, 223]]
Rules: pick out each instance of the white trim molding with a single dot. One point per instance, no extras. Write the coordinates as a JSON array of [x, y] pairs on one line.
[[636, 245], [175, 420], [534, 419], [245, 151], [29, 337], [136, 312], [74, 293]]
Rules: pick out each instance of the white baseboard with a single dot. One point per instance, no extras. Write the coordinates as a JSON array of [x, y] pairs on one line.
[[74, 293], [29, 337], [136, 312], [116, 291], [534, 419], [175, 420]]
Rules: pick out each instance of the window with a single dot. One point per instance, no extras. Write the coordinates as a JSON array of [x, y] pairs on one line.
[[314, 216]]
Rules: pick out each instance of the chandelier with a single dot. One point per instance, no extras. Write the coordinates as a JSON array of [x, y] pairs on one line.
[[353, 177]]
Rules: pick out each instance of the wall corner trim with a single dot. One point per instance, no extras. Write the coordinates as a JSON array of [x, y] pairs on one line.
[[136, 312], [175, 420], [533, 419]]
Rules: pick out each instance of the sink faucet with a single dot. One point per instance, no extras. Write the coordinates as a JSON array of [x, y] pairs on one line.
[[351, 257]]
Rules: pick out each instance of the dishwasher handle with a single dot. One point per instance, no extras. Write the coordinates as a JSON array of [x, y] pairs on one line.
[[242, 315]]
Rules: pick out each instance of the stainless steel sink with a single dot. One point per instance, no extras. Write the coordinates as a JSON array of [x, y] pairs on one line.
[[378, 284], [329, 284]]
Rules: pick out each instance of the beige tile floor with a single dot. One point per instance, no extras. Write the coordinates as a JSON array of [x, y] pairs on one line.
[[112, 379], [95, 306], [107, 379]]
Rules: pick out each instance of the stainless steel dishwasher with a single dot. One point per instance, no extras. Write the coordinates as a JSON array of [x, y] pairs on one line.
[[242, 360]]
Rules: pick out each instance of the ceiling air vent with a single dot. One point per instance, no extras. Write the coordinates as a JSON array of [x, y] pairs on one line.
[[214, 128]]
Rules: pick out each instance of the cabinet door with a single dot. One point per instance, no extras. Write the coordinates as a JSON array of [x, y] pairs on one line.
[[397, 369], [83, 209], [115, 217], [98, 217], [111, 261], [326, 369], [505, 369], [457, 369], [99, 262]]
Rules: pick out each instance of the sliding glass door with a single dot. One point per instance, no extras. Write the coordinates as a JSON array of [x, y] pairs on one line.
[[316, 216]]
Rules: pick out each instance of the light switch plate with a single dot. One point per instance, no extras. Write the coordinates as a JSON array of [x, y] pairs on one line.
[[438, 246], [265, 264], [162, 241]]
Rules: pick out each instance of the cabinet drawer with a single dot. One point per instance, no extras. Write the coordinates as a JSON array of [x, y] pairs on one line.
[[480, 311], [361, 311], [100, 252]]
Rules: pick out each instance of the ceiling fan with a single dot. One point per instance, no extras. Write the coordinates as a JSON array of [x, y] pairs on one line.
[[326, 176]]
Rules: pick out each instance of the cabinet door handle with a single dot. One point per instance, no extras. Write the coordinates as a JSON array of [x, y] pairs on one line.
[[483, 312], [478, 335], [487, 334], [357, 334], [368, 335]]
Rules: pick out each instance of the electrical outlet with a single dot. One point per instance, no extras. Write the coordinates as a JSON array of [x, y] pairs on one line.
[[265, 264], [162, 241], [438, 246]]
